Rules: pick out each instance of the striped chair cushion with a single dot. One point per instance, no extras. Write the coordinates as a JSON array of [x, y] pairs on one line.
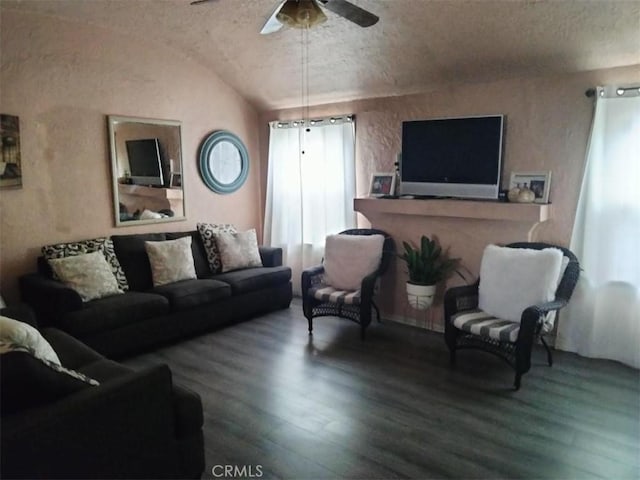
[[330, 294], [480, 323]]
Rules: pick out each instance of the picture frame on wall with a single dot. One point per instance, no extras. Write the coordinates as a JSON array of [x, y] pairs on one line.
[[538, 182], [176, 180], [382, 183], [10, 156]]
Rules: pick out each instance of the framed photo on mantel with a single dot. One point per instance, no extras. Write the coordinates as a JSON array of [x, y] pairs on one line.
[[382, 184], [538, 182]]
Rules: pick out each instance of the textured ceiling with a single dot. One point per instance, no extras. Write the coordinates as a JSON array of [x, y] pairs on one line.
[[415, 45]]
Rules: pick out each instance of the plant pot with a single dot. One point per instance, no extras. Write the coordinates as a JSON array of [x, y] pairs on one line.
[[420, 296]]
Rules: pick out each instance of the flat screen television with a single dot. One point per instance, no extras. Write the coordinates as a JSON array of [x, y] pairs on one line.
[[452, 157], [145, 165]]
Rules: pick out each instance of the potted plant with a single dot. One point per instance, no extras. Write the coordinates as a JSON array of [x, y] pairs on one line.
[[427, 266]]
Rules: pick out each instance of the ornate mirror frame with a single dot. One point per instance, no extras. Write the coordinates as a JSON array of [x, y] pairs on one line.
[[140, 204], [223, 162]]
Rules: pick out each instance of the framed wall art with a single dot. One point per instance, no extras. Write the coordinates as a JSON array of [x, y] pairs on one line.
[[10, 163]]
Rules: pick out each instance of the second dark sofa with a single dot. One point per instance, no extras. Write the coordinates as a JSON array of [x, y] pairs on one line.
[[134, 424], [146, 316]]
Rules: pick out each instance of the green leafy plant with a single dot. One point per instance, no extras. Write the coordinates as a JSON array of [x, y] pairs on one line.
[[428, 264]]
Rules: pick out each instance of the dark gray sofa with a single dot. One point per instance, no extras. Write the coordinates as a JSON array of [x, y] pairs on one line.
[[145, 316], [135, 424]]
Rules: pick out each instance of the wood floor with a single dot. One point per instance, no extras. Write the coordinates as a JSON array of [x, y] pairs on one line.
[[333, 406]]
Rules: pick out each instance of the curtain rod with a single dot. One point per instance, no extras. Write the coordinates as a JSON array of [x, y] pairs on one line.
[[314, 121], [620, 91]]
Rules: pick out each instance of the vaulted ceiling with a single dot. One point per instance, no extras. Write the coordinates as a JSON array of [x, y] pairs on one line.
[[416, 44]]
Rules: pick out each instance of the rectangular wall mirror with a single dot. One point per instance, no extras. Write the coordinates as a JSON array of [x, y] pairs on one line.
[[146, 165]]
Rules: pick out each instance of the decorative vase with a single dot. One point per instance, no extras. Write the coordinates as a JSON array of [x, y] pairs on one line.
[[513, 194], [420, 296], [526, 195]]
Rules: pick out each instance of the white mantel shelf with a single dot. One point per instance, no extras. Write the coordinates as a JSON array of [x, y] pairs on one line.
[[478, 209]]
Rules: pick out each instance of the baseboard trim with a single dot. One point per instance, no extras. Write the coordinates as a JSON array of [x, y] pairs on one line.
[[423, 323]]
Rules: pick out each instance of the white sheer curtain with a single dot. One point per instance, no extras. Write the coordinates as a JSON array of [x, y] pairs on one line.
[[603, 317], [310, 194]]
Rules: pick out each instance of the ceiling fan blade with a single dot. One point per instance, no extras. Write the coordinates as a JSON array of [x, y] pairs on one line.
[[351, 12], [197, 2], [273, 24]]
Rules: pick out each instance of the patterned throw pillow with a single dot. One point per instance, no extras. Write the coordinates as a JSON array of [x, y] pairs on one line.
[[207, 233], [103, 244], [238, 250], [171, 260], [89, 274]]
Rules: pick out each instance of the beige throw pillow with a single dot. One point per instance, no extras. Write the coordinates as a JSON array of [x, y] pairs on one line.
[[350, 258], [88, 274], [171, 260], [238, 250]]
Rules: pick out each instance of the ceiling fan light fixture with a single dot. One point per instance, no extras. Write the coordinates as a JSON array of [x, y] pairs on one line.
[[301, 14]]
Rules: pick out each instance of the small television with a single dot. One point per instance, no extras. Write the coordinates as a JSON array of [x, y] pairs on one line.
[[145, 165], [452, 157]]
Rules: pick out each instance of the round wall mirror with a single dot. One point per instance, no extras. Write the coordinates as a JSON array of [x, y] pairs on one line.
[[224, 162]]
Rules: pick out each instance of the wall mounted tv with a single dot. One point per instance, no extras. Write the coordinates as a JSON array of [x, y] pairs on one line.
[[145, 165], [452, 157]]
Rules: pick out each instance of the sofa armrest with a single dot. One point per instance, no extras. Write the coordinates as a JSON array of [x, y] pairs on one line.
[[270, 256], [120, 429], [49, 298], [72, 352], [187, 406], [21, 312]]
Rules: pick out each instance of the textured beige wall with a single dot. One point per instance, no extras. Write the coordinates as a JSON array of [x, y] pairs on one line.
[[547, 126], [548, 121], [62, 79]]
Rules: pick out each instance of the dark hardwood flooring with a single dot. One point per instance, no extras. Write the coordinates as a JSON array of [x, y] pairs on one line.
[[333, 406]]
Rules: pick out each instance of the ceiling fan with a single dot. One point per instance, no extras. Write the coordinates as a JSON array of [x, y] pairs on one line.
[[307, 14]]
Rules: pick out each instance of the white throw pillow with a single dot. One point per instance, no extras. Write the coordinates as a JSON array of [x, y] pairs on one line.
[[150, 215], [88, 274], [171, 260], [512, 279], [238, 250], [350, 258], [15, 334]]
